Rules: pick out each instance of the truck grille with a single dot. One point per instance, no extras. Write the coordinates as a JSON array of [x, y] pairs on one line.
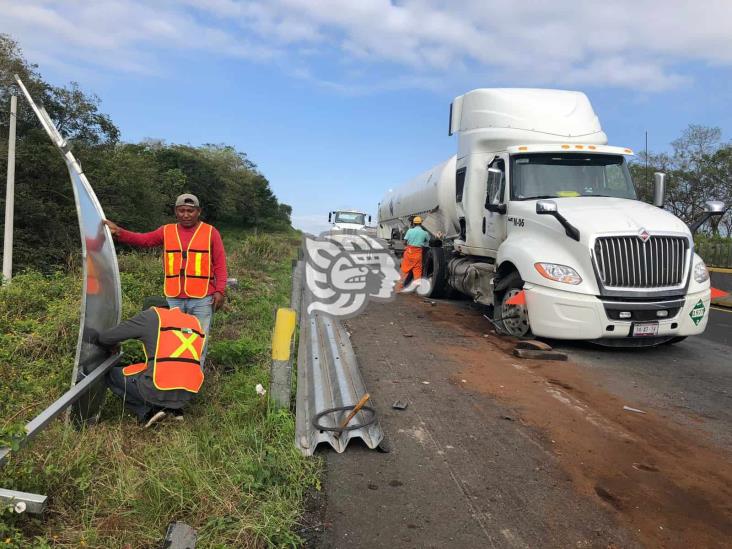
[[628, 262]]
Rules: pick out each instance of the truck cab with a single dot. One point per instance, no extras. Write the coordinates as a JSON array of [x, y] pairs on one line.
[[348, 220], [539, 218]]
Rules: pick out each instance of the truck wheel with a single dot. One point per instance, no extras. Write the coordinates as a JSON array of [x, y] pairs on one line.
[[435, 270], [512, 319]]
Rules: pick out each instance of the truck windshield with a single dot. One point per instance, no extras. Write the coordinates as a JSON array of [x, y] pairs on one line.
[[557, 175], [350, 217]]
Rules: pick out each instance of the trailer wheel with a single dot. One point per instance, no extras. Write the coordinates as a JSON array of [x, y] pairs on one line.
[[512, 319], [435, 270]]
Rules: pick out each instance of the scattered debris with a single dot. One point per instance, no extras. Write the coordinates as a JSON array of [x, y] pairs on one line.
[[408, 335], [261, 391], [179, 536], [425, 383], [636, 410], [400, 405], [508, 418], [432, 303], [644, 467], [533, 345], [539, 355], [373, 486]]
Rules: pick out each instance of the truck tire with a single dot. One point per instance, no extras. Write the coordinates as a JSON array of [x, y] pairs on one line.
[[435, 270], [512, 319]]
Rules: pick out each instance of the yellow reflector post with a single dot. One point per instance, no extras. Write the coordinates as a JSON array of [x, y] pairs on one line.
[[283, 332]]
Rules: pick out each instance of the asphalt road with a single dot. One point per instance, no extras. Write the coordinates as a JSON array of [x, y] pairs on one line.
[[719, 328], [495, 451], [692, 379]]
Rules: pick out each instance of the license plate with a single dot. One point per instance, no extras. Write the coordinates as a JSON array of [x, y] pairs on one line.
[[645, 329]]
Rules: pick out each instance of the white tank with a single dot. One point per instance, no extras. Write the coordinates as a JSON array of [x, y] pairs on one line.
[[429, 191], [489, 120]]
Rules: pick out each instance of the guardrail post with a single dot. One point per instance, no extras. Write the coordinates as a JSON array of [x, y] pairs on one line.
[[282, 343]]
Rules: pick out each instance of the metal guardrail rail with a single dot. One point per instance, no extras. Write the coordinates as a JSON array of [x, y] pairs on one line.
[[328, 377]]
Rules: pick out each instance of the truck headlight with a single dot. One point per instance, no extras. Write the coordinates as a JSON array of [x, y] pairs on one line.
[[701, 274], [558, 273]]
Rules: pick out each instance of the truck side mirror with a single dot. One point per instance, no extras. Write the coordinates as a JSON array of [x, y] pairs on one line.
[[712, 208], [659, 189], [329, 216], [546, 207], [549, 207], [369, 219], [494, 194]]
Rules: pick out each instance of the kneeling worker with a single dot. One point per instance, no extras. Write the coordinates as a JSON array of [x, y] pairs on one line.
[[172, 374]]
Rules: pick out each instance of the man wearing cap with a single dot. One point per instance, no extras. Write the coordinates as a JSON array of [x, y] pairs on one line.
[[194, 260], [415, 238]]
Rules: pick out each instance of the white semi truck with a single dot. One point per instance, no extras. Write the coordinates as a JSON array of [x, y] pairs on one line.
[[348, 221], [538, 217]]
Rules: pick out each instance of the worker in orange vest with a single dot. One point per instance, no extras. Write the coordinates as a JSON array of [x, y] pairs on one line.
[[194, 260], [171, 374]]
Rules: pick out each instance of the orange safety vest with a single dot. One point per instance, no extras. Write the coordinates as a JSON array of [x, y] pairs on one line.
[[177, 360], [197, 258]]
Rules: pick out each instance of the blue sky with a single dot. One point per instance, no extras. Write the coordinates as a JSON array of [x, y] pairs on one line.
[[339, 100]]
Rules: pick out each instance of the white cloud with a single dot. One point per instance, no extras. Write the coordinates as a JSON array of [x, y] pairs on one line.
[[639, 44]]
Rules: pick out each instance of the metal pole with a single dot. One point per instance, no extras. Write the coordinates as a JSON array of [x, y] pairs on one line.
[[646, 159], [10, 195]]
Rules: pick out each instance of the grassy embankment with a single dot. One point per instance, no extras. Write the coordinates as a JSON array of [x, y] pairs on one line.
[[231, 470]]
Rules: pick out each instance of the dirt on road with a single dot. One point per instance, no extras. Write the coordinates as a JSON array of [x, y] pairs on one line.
[[499, 451], [667, 481]]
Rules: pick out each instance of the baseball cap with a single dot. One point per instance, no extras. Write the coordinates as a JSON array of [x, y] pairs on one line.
[[187, 200]]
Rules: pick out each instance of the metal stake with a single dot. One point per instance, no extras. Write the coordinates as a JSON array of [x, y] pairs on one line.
[[10, 195]]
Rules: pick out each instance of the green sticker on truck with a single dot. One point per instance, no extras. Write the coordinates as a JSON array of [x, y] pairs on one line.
[[697, 313]]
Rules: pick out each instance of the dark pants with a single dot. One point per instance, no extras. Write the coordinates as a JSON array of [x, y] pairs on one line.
[[126, 388]]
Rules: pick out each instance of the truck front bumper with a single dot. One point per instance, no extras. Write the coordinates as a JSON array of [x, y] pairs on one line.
[[566, 315]]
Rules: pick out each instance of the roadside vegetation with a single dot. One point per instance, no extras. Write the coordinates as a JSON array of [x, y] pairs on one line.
[[231, 470]]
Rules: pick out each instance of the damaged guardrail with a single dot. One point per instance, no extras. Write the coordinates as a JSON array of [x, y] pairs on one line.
[[331, 394]]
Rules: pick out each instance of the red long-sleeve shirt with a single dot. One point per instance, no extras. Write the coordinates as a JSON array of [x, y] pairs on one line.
[[155, 238]]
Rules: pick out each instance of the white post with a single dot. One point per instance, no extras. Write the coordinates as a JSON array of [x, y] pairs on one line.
[[10, 195]]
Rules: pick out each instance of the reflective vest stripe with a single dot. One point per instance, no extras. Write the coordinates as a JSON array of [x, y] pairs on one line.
[[198, 264], [186, 345]]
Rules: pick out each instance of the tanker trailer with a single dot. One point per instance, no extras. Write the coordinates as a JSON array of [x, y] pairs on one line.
[[537, 217]]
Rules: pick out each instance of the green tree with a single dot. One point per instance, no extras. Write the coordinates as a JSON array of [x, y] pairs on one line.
[[699, 168]]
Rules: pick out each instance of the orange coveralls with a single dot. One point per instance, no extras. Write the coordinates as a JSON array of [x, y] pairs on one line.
[[412, 261]]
